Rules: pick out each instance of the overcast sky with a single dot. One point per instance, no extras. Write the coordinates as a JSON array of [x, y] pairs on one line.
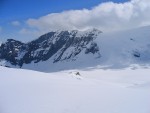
[[27, 19]]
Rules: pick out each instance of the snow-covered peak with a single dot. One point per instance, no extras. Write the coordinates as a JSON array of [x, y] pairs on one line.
[[55, 46], [94, 32], [80, 49]]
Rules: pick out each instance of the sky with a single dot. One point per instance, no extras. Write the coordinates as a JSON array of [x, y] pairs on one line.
[[28, 19], [23, 9]]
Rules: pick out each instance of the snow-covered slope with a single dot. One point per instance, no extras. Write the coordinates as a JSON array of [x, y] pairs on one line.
[[64, 50], [50, 48], [125, 47], [90, 91]]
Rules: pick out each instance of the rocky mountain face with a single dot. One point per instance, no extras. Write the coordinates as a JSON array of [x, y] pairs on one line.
[[63, 50], [58, 46]]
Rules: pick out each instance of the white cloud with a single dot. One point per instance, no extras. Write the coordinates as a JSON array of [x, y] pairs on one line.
[[31, 32], [24, 31], [106, 17], [15, 23]]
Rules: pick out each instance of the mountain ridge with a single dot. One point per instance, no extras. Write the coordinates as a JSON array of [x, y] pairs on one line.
[[64, 50], [61, 45]]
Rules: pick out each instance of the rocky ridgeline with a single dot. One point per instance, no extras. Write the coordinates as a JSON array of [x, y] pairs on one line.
[[58, 46]]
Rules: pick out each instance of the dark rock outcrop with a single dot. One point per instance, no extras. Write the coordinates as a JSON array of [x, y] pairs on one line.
[[58, 46]]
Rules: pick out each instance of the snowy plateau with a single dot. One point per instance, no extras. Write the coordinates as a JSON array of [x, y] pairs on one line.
[[77, 72], [93, 91]]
